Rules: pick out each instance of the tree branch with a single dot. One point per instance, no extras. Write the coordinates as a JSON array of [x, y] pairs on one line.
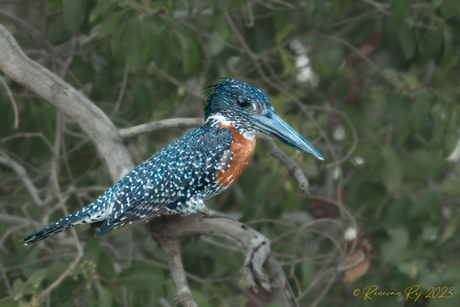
[[171, 248], [168, 230], [160, 125], [69, 101], [19, 169], [253, 244], [293, 167], [13, 102]]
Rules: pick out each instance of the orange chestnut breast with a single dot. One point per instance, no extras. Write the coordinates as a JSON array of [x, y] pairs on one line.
[[242, 150]]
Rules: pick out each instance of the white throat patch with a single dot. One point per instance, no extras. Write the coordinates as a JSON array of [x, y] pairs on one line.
[[249, 135], [221, 119]]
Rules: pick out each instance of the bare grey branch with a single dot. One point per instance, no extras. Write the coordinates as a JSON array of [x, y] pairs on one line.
[[293, 167], [160, 125], [69, 101], [174, 228]]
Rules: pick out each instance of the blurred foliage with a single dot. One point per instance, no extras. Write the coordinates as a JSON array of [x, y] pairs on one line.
[[390, 67]]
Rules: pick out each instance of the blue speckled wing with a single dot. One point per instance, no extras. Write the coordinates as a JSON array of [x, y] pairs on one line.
[[180, 171]]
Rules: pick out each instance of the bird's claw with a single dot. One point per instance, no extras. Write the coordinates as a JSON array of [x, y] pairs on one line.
[[209, 213]]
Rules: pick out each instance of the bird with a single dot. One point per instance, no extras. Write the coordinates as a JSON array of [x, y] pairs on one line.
[[180, 177]]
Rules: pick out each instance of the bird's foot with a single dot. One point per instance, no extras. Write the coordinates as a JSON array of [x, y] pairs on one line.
[[209, 213]]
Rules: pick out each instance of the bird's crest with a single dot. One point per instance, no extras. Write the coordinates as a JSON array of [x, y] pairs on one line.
[[211, 89]]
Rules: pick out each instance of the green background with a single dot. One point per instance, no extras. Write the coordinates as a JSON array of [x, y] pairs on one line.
[[372, 85]]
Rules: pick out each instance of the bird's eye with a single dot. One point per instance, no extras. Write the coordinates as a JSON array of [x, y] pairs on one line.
[[242, 103]]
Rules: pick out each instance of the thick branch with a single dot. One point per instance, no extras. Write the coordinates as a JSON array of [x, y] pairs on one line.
[[253, 244], [69, 101]]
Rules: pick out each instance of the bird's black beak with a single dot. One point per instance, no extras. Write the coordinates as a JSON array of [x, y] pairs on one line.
[[269, 123]]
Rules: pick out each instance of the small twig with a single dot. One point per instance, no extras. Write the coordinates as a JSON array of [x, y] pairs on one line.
[[325, 290], [188, 275], [160, 125], [209, 36], [57, 191], [349, 267], [8, 233], [350, 46], [292, 166], [27, 135], [23, 265], [5, 278], [250, 23], [29, 28], [13, 219], [19, 169], [179, 84], [122, 90], [13, 102]]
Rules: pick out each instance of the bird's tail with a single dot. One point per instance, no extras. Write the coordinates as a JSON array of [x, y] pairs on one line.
[[63, 224]]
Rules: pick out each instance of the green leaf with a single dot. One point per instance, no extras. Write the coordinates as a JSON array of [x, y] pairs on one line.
[[200, 299], [89, 298], [407, 41], [216, 46], [105, 297], [150, 39], [220, 6], [431, 43], [394, 248], [451, 274], [397, 107], [437, 3], [116, 42], [109, 24], [74, 14], [449, 8], [101, 8], [131, 44], [451, 227], [420, 164], [140, 276], [396, 214], [400, 9], [189, 53], [392, 170], [448, 47], [439, 113], [8, 302], [425, 205], [402, 131], [56, 270], [18, 288], [281, 34], [420, 112], [105, 266], [429, 233], [35, 280], [265, 185], [92, 249]]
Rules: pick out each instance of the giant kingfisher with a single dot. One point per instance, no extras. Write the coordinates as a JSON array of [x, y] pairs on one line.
[[194, 168]]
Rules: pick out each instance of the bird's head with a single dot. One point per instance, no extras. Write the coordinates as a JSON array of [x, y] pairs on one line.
[[249, 111]]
